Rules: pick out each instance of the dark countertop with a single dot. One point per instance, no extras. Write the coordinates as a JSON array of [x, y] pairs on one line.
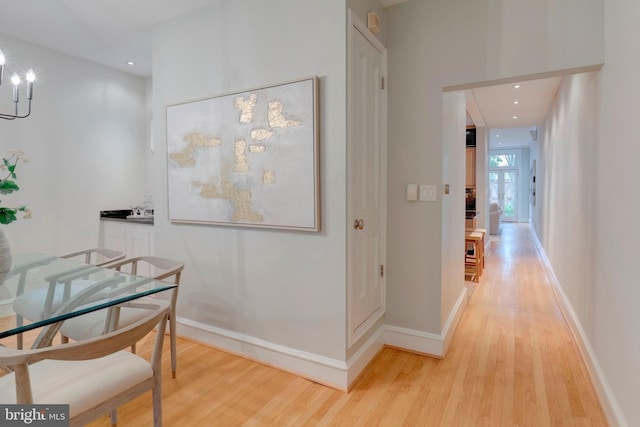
[[123, 215]]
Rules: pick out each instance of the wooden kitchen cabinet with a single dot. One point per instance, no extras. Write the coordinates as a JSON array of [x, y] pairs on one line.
[[471, 167]]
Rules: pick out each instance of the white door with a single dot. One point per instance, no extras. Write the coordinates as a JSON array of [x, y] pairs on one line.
[[366, 179], [503, 189]]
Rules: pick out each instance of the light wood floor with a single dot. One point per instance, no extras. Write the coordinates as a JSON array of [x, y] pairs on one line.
[[512, 362]]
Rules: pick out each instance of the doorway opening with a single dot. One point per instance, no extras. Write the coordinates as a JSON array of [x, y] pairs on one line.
[[503, 182]]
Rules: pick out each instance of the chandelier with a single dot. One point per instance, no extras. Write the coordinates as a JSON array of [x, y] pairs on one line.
[[30, 77]]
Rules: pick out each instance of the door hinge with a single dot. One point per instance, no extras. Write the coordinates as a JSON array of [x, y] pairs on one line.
[[382, 271], [382, 83]]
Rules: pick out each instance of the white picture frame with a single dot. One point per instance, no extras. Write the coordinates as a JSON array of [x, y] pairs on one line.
[[247, 158]]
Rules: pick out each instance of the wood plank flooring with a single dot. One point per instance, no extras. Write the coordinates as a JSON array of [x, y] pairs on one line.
[[512, 362]]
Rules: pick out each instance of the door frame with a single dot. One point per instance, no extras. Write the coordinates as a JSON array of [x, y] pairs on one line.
[[355, 333], [501, 172], [516, 169]]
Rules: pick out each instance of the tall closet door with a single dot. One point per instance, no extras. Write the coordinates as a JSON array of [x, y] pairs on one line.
[[366, 179]]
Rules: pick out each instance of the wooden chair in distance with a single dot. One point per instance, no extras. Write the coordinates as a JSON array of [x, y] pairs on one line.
[[161, 269], [93, 376], [474, 255]]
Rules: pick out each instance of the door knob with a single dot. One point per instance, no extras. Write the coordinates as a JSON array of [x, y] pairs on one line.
[[358, 224]]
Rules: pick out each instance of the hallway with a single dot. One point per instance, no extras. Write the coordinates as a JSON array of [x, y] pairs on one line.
[[516, 360], [512, 362]]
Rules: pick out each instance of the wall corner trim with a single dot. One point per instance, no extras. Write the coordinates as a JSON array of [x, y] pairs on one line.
[[426, 342], [605, 394]]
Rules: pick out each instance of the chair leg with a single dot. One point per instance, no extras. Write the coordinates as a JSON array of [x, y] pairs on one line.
[[172, 338], [133, 348], [114, 418], [157, 402], [19, 338]]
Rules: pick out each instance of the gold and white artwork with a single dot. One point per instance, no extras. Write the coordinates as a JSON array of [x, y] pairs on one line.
[[246, 158]]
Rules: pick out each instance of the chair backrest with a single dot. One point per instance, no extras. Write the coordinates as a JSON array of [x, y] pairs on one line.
[[97, 256], [162, 268], [19, 360]]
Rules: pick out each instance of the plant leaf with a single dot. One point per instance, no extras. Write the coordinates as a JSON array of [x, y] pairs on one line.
[[7, 186], [7, 215]]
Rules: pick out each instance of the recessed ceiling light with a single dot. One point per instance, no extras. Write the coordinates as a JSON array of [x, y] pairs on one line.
[[516, 86], [515, 117], [497, 135], [516, 102], [131, 63]]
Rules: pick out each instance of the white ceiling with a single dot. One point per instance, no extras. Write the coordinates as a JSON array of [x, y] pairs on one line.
[[495, 107], [112, 32], [109, 32]]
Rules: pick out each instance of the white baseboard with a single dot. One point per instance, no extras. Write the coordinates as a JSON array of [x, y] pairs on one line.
[[426, 342], [364, 355], [610, 404], [331, 372], [414, 340]]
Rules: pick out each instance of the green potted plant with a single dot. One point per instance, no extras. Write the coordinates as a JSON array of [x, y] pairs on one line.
[[8, 214]]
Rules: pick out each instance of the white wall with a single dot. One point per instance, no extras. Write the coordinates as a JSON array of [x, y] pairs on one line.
[[84, 141], [615, 314], [453, 204], [421, 63], [537, 206], [443, 43], [586, 211], [280, 287], [565, 195], [532, 36], [584, 218], [482, 174]]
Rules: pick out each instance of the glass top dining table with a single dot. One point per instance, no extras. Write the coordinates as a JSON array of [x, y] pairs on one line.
[[43, 290]]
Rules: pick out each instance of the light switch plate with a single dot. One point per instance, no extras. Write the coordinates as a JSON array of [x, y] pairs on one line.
[[412, 192], [427, 193]]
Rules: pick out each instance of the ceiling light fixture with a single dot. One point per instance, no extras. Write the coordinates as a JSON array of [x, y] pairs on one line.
[[516, 86], [515, 117], [516, 102], [131, 63], [30, 77]]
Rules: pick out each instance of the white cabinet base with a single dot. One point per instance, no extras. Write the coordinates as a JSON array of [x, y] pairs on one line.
[[133, 239]]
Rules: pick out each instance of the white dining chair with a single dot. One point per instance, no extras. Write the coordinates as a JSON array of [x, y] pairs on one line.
[[96, 256], [161, 269], [36, 304], [93, 376]]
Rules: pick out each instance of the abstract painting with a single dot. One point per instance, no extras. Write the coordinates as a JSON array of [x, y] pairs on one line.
[[246, 159]]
